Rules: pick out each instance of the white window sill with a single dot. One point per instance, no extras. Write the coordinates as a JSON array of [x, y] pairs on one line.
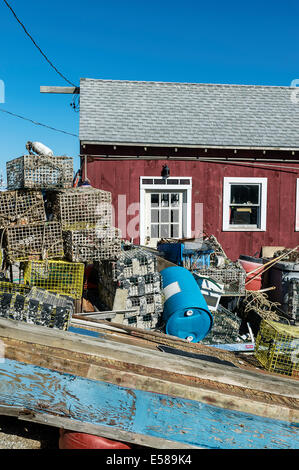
[[243, 229]]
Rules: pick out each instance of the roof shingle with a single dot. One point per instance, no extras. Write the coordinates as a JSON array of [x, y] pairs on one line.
[[188, 114]]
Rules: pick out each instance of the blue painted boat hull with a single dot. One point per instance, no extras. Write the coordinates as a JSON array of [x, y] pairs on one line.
[[123, 389], [148, 414]]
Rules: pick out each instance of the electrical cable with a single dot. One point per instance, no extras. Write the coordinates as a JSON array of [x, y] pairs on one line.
[[38, 123], [36, 45]]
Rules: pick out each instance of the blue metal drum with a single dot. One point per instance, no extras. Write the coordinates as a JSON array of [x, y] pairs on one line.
[[186, 312]]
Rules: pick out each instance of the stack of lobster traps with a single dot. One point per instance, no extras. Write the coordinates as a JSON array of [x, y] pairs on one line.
[[51, 233]]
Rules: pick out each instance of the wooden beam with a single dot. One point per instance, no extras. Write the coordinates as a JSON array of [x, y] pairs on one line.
[[60, 90]]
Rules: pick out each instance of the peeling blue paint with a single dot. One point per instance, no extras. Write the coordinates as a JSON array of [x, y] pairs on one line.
[[152, 414]]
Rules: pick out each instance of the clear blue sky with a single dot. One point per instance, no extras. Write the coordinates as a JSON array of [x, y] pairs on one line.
[[252, 42]]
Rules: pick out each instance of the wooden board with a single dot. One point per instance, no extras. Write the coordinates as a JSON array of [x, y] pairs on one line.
[[143, 392]]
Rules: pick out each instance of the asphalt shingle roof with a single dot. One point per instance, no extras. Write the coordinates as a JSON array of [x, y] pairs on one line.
[[116, 111]]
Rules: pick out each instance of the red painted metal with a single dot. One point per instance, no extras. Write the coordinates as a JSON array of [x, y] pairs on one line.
[[122, 178]]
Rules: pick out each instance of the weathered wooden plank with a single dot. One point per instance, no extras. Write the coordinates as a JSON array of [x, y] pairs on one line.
[[122, 374], [60, 89], [141, 357], [139, 412]]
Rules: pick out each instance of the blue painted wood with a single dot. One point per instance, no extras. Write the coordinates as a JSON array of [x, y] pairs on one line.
[[146, 413]]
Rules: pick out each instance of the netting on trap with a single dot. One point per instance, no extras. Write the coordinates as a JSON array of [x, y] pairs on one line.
[[38, 307], [21, 207], [89, 245], [40, 240], [81, 208], [39, 172], [232, 277], [56, 276], [277, 348]]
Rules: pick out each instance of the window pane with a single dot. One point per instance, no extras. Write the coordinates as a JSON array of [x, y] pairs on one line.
[[244, 216], [165, 200], [175, 200], [175, 230], [155, 215], [164, 231], [155, 200], [155, 231], [244, 194], [164, 215], [174, 215]]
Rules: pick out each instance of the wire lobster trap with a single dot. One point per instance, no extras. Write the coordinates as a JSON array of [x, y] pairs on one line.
[[146, 304], [82, 208], [39, 172], [38, 307], [89, 245], [56, 276], [34, 241], [132, 262], [146, 322], [231, 276], [21, 207], [277, 347], [142, 285], [7, 287]]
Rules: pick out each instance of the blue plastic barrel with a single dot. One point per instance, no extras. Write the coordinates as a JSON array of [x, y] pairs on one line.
[[186, 312]]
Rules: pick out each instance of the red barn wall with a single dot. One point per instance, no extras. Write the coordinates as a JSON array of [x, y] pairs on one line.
[[123, 178]]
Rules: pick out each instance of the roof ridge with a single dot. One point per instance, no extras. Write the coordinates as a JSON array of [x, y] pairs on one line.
[[187, 83]]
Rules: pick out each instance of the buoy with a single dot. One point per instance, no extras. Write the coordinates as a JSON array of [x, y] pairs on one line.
[[80, 440]]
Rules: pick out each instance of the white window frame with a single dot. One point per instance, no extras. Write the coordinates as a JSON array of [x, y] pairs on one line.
[[187, 213], [227, 181], [297, 207]]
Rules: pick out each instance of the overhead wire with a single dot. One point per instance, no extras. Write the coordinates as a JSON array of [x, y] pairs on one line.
[[37, 123], [37, 46]]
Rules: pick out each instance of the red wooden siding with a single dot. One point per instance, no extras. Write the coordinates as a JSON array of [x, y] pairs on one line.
[[123, 178]]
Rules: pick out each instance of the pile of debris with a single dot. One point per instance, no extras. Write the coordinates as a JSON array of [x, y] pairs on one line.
[[206, 258]]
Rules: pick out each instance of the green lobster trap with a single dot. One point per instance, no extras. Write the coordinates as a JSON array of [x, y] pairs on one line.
[[277, 347], [56, 276]]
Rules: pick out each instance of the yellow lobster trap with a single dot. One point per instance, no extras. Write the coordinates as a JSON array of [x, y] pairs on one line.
[[277, 347], [7, 287], [56, 276]]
